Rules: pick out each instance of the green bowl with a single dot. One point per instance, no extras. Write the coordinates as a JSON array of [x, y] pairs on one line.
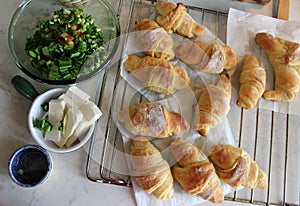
[[23, 26]]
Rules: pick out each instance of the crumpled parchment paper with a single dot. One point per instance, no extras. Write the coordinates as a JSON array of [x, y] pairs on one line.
[[241, 30]]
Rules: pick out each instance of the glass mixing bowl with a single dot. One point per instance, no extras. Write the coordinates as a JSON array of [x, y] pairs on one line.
[[23, 26]]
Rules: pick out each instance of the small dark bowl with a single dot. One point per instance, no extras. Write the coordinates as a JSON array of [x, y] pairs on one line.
[[30, 166]]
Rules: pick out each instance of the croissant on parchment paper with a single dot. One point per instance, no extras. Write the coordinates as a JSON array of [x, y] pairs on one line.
[[153, 39], [157, 74], [151, 172], [235, 167], [206, 57], [152, 119], [174, 17], [195, 173], [213, 105], [284, 57], [252, 82]]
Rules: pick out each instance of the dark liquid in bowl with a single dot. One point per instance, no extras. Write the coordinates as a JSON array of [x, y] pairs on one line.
[[32, 167]]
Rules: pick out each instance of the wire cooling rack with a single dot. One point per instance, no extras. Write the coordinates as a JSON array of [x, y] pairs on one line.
[[270, 138]]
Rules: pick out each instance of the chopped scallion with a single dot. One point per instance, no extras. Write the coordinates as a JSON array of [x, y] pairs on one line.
[[53, 54]]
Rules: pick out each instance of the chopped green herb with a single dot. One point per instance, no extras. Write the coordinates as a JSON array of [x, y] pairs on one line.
[[61, 125], [61, 45], [42, 124], [45, 106]]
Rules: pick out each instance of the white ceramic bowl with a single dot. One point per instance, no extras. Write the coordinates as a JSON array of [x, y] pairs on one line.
[[36, 111]]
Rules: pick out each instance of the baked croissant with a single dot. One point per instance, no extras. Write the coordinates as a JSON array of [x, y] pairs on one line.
[[174, 17], [152, 119], [157, 74], [210, 58], [153, 39], [253, 82], [284, 57], [213, 105], [151, 172], [195, 173], [235, 167]]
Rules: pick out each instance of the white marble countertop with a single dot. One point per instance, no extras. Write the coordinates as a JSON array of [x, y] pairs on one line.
[[67, 184]]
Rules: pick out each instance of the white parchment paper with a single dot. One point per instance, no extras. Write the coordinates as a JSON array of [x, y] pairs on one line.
[[183, 103], [241, 30]]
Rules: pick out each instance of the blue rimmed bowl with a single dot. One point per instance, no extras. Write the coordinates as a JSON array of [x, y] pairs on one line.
[[30, 166]]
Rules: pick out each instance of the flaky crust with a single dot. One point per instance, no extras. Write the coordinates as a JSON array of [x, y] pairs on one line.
[[210, 58], [195, 173], [150, 170], [284, 57], [152, 119], [213, 105], [252, 82], [153, 39], [174, 18], [235, 167], [157, 75]]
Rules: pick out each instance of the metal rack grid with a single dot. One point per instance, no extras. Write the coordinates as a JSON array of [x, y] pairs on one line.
[[106, 162]]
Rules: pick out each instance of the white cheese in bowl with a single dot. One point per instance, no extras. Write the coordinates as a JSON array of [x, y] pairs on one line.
[[71, 115]]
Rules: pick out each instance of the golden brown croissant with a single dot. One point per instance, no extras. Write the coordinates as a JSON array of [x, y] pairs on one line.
[[211, 58], [152, 119], [235, 167], [153, 39], [253, 82], [213, 105], [157, 74], [174, 17], [284, 57], [151, 172], [195, 173]]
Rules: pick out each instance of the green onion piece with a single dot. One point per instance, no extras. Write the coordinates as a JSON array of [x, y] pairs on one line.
[[45, 106], [61, 125], [53, 74], [45, 51], [42, 124], [32, 54], [75, 54], [65, 63]]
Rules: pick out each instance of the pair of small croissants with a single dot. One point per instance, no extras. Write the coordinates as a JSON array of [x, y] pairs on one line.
[[194, 171], [154, 120], [153, 35], [284, 57]]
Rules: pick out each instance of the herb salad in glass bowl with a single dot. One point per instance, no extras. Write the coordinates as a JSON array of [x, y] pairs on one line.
[[60, 45]]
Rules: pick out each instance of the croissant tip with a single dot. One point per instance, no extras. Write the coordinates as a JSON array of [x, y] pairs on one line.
[[203, 132], [225, 74], [241, 104]]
